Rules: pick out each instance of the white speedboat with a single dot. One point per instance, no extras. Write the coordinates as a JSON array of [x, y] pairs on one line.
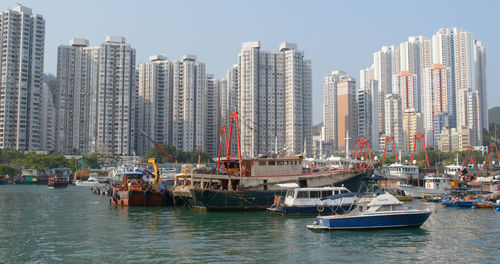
[[90, 182], [383, 211]]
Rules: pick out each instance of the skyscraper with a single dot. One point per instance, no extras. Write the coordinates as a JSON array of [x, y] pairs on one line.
[[214, 116], [22, 38], [265, 80], [406, 85], [386, 63], [48, 120], [74, 81], [154, 103], [297, 100], [340, 110], [394, 120], [443, 78], [480, 79], [189, 104], [368, 108], [114, 96], [437, 105]]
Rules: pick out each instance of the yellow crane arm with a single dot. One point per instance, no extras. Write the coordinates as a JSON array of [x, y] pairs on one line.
[[155, 167]]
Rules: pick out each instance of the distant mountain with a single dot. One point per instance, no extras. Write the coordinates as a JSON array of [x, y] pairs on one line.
[[47, 77], [494, 115], [317, 129]]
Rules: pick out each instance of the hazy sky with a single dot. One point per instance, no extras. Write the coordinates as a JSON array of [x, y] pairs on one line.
[[333, 34]]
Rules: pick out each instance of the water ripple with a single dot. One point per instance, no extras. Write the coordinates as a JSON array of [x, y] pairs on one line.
[[42, 225]]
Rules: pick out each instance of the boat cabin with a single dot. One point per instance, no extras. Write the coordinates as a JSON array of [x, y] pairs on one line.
[[315, 193], [452, 170], [436, 182], [133, 177]]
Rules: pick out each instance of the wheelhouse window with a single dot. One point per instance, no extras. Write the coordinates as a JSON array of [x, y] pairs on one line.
[[326, 193], [315, 194], [303, 194]]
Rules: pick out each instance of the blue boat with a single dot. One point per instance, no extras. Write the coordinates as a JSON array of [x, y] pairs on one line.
[[314, 201], [382, 211], [459, 203]]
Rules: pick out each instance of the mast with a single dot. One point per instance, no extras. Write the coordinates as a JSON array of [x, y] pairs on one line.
[[347, 144]]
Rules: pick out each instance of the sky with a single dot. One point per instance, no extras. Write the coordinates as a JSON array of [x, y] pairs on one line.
[[333, 34]]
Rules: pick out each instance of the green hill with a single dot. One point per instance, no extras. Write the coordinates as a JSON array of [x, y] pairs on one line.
[[494, 115]]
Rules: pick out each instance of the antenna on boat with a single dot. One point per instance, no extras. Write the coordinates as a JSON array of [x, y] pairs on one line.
[[347, 144]]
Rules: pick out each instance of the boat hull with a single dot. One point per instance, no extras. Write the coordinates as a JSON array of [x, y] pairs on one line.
[[420, 192], [140, 198], [396, 220], [312, 210], [58, 184], [459, 203], [210, 199]]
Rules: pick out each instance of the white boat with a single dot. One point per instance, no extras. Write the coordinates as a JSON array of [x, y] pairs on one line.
[[397, 174], [434, 185], [315, 200], [383, 211], [90, 182]]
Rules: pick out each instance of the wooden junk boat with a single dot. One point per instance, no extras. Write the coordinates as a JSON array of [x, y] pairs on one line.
[[252, 184], [58, 182], [135, 191]]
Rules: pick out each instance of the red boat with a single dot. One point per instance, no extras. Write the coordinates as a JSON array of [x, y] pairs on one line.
[[58, 182], [135, 192]]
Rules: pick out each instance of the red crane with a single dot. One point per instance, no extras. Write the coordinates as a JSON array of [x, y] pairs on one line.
[[387, 139], [234, 116], [472, 159], [490, 147], [363, 144], [158, 146], [417, 136]]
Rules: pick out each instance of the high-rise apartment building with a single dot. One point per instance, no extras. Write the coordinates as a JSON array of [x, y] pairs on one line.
[[22, 42], [154, 103], [74, 81], [368, 108], [340, 110], [274, 100], [386, 63], [480, 79], [412, 125], [406, 85], [437, 107], [330, 108], [114, 95], [214, 117], [297, 100], [443, 78], [48, 120], [189, 104], [393, 120], [95, 100]]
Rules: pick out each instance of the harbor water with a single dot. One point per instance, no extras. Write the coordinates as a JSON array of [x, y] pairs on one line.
[[72, 225]]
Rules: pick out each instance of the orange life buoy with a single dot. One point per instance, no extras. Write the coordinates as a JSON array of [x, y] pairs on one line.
[[139, 182], [428, 185], [363, 165]]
